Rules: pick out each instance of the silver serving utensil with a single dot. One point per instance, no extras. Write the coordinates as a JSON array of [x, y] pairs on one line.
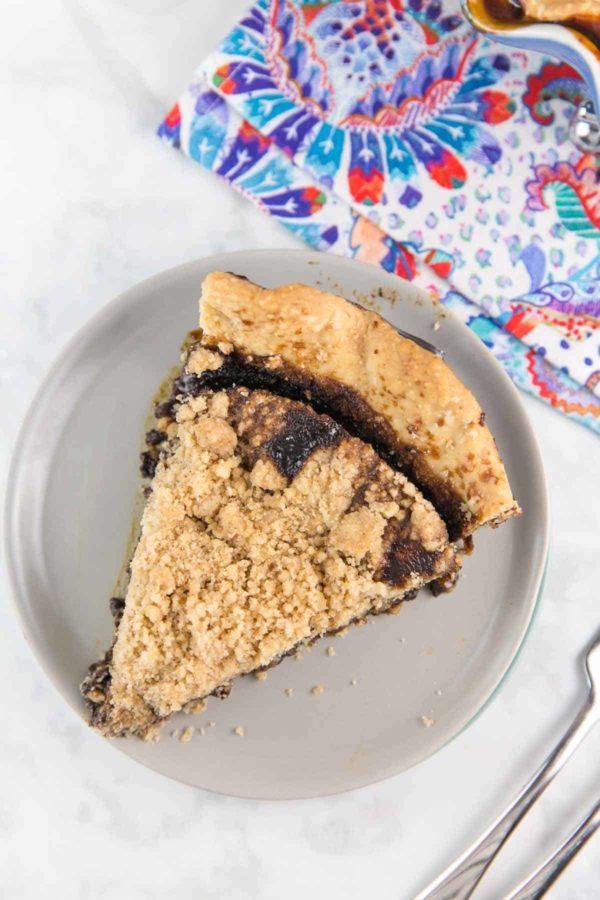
[[461, 878], [537, 884]]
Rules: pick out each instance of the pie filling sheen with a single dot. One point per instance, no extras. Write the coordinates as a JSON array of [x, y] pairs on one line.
[[280, 507]]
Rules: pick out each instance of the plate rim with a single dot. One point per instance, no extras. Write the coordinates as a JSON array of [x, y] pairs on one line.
[[18, 593]]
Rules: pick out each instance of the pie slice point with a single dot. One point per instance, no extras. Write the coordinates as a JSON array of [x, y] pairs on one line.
[[267, 525]]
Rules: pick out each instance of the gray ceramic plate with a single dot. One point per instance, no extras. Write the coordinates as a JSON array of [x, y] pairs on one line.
[[72, 488]]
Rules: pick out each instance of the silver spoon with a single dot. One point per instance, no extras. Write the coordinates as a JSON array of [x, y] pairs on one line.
[[461, 878]]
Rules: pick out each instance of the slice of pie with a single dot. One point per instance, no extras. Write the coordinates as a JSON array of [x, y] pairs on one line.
[[279, 508]]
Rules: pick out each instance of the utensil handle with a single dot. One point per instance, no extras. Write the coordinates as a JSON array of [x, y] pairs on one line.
[[538, 883], [461, 878]]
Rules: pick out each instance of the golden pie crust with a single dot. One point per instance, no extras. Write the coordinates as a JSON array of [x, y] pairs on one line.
[[560, 10], [405, 400]]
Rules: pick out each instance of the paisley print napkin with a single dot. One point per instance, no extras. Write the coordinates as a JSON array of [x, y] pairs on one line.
[[389, 131]]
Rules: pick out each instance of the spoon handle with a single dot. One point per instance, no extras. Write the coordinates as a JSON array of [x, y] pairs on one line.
[[461, 878], [538, 883]]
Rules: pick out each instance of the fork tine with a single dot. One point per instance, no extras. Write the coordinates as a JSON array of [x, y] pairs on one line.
[[537, 884]]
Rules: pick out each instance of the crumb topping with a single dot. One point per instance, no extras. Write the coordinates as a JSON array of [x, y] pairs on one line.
[[242, 559], [187, 734]]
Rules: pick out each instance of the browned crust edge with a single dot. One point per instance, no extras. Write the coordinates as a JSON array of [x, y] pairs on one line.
[[454, 462], [345, 406]]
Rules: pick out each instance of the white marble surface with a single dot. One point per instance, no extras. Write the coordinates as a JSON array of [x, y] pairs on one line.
[[92, 203]]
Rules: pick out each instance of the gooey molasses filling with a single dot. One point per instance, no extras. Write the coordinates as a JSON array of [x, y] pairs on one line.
[[343, 405], [301, 435], [289, 445]]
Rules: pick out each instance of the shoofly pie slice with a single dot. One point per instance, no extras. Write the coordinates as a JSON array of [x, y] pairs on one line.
[[311, 467], [266, 526], [350, 363]]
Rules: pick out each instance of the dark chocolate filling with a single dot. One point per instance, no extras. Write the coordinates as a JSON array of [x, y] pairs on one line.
[[345, 406]]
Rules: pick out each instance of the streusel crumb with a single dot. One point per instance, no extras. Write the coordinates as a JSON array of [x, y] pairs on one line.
[[196, 706], [267, 526]]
